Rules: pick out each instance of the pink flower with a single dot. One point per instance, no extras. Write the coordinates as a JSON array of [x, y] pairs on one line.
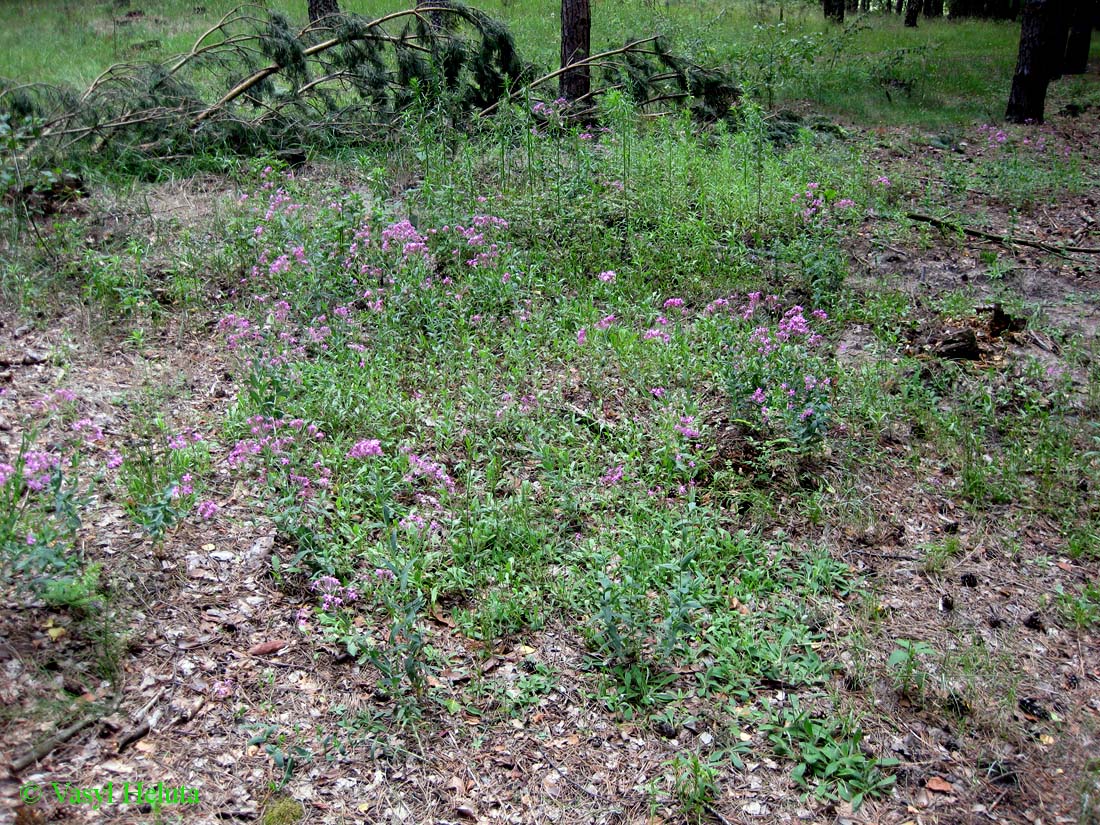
[[88, 429], [607, 277], [613, 476], [685, 429], [605, 322], [658, 392], [365, 449], [207, 509], [582, 336]]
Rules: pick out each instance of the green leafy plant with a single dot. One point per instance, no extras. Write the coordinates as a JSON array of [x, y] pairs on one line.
[[905, 663], [828, 754], [695, 784]]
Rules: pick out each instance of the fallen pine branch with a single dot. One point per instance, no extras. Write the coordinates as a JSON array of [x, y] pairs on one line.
[[1004, 240], [262, 74], [633, 46], [45, 747]]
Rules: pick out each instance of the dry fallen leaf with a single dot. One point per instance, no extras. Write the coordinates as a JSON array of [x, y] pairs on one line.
[[939, 785], [264, 648], [441, 617]]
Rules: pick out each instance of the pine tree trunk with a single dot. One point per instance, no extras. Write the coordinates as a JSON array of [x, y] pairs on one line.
[[962, 8], [1059, 40], [1080, 36], [322, 8], [1028, 97], [834, 10], [576, 32], [912, 9], [932, 8]]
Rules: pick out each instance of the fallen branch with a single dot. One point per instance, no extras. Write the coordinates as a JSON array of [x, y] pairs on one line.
[[324, 45], [488, 110], [1004, 240], [45, 747]]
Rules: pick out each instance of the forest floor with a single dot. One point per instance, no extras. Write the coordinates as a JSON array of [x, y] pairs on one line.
[[204, 678]]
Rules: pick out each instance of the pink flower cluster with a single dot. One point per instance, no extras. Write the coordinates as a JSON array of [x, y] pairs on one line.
[[88, 429], [333, 594], [757, 301], [239, 329], [365, 448], [613, 476], [423, 467], [38, 467], [273, 435], [686, 429], [404, 233]]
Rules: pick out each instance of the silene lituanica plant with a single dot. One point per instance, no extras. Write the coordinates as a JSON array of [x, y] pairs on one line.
[[779, 372]]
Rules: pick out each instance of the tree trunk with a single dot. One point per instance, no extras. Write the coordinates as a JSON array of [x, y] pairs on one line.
[[834, 10], [963, 8], [1080, 36], [1028, 97], [912, 9], [322, 8], [1059, 40], [900, 6], [932, 8], [576, 32]]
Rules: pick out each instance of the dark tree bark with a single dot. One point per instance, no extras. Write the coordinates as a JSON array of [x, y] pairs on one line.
[[322, 8], [900, 6], [1082, 14], [912, 9], [964, 8], [1038, 44], [932, 8], [834, 10], [1059, 38], [576, 33]]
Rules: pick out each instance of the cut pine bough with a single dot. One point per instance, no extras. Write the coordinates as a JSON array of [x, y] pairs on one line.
[[1004, 240]]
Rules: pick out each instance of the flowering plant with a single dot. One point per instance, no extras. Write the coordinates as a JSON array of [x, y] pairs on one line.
[[780, 379]]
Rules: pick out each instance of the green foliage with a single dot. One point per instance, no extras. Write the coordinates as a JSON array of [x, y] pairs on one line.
[[41, 502], [905, 662], [1082, 610], [695, 784], [830, 760]]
